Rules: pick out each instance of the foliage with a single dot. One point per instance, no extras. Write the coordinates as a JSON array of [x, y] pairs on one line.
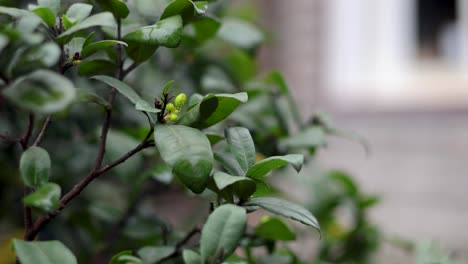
[[116, 103]]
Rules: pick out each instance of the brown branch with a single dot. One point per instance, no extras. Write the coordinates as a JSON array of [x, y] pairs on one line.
[[42, 132], [24, 140], [81, 185]]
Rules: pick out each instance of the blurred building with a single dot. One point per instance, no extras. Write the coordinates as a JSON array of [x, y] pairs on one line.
[[395, 71]]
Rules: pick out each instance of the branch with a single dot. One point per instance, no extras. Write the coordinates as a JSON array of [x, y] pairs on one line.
[[130, 69], [182, 243], [24, 140], [81, 185], [42, 132]]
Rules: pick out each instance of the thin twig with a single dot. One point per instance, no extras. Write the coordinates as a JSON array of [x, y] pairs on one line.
[[42, 132], [181, 244], [24, 140], [130, 69]]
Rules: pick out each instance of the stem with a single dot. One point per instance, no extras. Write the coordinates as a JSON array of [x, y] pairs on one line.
[[42, 132], [181, 244], [129, 69], [24, 140]]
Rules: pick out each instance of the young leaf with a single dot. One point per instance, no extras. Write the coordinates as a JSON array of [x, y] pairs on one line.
[[286, 209], [53, 5], [46, 197], [43, 252], [165, 33], [243, 187], [121, 87], [114, 259], [117, 7], [222, 231], [168, 86], [187, 9], [102, 19], [213, 109], [188, 152], [275, 229], [35, 166], [261, 168], [151, 255], [241, 146], [191, 257], [42, 91], [100, 45], [46, 14]]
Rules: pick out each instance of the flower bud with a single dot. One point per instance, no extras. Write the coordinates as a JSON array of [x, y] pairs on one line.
[[174, 117], [170, 107], [180, 100]]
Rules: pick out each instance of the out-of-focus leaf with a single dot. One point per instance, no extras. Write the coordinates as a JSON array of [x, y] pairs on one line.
[[43, 252], [35, 166], [187, 9], [313, 136], [215, 80], [76, 13], [275, 229], [102, 19], [151, 255], [42, 91], [117, 145], [241, 66], [241, 146], [263, 167], [100, 45], [203, 29], [240, 33], [45, 14], [89, 96], [286, 209], [117, 7], [222, 231], [188, 152], [13, 12], [46, 197], [98, 66], [191, 257]]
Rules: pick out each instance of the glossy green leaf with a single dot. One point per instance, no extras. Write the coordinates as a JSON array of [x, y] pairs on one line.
[[191, 257], [117, 7], [240, 33], [243, 187], [165, 33], [222, 231], [97, 66], [46, 197], [286, 209], [53, 5], [45, 14], [42, 91], [78, 12], [35, 166], [188, 152], [313, 136], [263, 167], [229, 163], [43, 252], [213, 109], [140, 52], [187, 9], [151, 255], [120, 86], [100, 45], [275, 229], [102, 19], [241, 146]]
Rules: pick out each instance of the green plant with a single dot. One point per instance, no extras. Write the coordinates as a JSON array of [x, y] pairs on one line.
[[59, 63]]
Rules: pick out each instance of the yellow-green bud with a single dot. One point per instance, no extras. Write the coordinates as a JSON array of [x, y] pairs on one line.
[[170, 107], [180, 100], [174, 117]]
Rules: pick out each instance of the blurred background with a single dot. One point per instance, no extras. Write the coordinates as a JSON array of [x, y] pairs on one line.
[[394, 71]]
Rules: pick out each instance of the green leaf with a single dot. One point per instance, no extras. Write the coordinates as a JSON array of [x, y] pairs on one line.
[[241, 66], [100, 45], [46, 197], [213, 109], [151, 255], [53, 5], [43, 252], [98, 66], [117, 7], [140, 52], [142, 105], [222, 231], [35, 166], [13, 12], [313, 136], [45, 14], [115, 258], [165, 33], [187, 9], [203, 29], [168, 86], [240, 33], [216, 80], [77, 12], [275, 229], [89, 96], [188, 152], [102, 19], [229, 163], [191, 257], [117, 145], [42, 91], [261, 168], [121, 87], [243, 187], [241, 146], [286, 209], [213, 138]]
